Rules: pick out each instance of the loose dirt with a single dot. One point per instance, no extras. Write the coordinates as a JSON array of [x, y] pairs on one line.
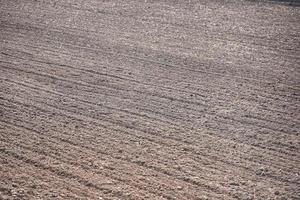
[[149, 99]]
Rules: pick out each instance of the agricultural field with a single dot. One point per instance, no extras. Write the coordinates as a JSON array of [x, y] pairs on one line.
[[144, 99]]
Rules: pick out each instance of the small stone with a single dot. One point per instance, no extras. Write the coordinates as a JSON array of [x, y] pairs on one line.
[[276, 192], [179, 187]]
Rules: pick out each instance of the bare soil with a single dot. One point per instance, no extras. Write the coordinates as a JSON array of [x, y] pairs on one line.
[[143, 99]]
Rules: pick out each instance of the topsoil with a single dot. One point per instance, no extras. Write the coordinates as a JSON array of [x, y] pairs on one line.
[[144, 99]]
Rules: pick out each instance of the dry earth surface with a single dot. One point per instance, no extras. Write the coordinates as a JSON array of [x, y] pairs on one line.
[[149, 99]]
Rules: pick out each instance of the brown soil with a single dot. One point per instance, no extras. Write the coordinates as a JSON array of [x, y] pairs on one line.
[[149, 99]]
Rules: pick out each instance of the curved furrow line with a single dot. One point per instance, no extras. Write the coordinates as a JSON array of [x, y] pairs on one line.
[[145, 59], [73, 144], [63, 29], [126, 53], [65, 174], [103, 74], [81, 83], [121, 180], [144, 138], [154, 168], [74, 192], [116, 176], [224, 100], [270, 96], [185, 139], [214, 35], [246, 178], [195, 150], [202, 169], [128, 112], [91, 71], [91, 103], [111, 66], [226, 162], [168, 173], [97, 86], [126, 125]]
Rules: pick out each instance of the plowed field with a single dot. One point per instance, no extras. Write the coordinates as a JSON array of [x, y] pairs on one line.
[[143, 99]]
